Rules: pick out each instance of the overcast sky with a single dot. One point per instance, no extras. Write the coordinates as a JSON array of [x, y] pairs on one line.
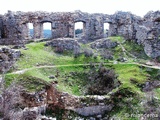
[[138, 7]]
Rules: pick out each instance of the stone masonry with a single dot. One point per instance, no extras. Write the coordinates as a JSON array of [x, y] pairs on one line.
[[145, 31], [15, 25], [64, 44], [7, 58]]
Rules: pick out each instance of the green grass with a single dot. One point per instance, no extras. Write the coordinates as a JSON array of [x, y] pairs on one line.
[[28, 81], [66, 81], [39, 55], [128, 72], [117, 39], [117, 52], [75, 84], [131, 76], [34, 56], [9, 78], [131, 103], [132, 48], [135, 49], [132, 91]]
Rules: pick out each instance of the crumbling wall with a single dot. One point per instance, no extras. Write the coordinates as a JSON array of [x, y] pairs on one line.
[[148, 34], [123, 24], [7, 58], [62, 25], [64, 44], [1, 26], [12, 26], [145, 31]]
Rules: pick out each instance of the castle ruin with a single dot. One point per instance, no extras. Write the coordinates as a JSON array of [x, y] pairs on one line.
[[145, 31]]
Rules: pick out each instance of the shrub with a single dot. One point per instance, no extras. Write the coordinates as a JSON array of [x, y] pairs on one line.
[[107, 76], [102, 80]]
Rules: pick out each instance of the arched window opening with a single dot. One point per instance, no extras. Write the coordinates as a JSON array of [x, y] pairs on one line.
[[30, 30], [79, 29], [106, 29], [47, 32]]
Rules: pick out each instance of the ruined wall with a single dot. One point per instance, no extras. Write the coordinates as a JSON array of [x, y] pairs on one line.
[[123, 24], [15, 27], [96, 26], [148, 34], [145, 31], [64, 44], [1, 26], [7, 58]]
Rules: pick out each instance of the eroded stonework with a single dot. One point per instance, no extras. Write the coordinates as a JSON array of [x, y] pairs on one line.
[[15, 25], [148, 34], [7, 58], [124, 24], [64, 44], [145, 31]]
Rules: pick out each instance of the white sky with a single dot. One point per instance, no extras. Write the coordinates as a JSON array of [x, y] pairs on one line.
[[138, 7]]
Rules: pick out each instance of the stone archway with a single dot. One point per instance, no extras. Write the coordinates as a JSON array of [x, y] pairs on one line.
[[105, 29], [30, 30], [79, 29], [47, 29]]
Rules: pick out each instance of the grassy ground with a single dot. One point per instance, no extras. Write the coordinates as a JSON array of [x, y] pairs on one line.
[[74, 80], [131, 76], [38, 55], [132, 49]]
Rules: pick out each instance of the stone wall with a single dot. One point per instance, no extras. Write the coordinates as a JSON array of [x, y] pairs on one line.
[[103, 43], [1, 26], [123, 24], [64, 44], [21, 104], [15, 25], [148, 34], [7, 58], [144, 31]]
